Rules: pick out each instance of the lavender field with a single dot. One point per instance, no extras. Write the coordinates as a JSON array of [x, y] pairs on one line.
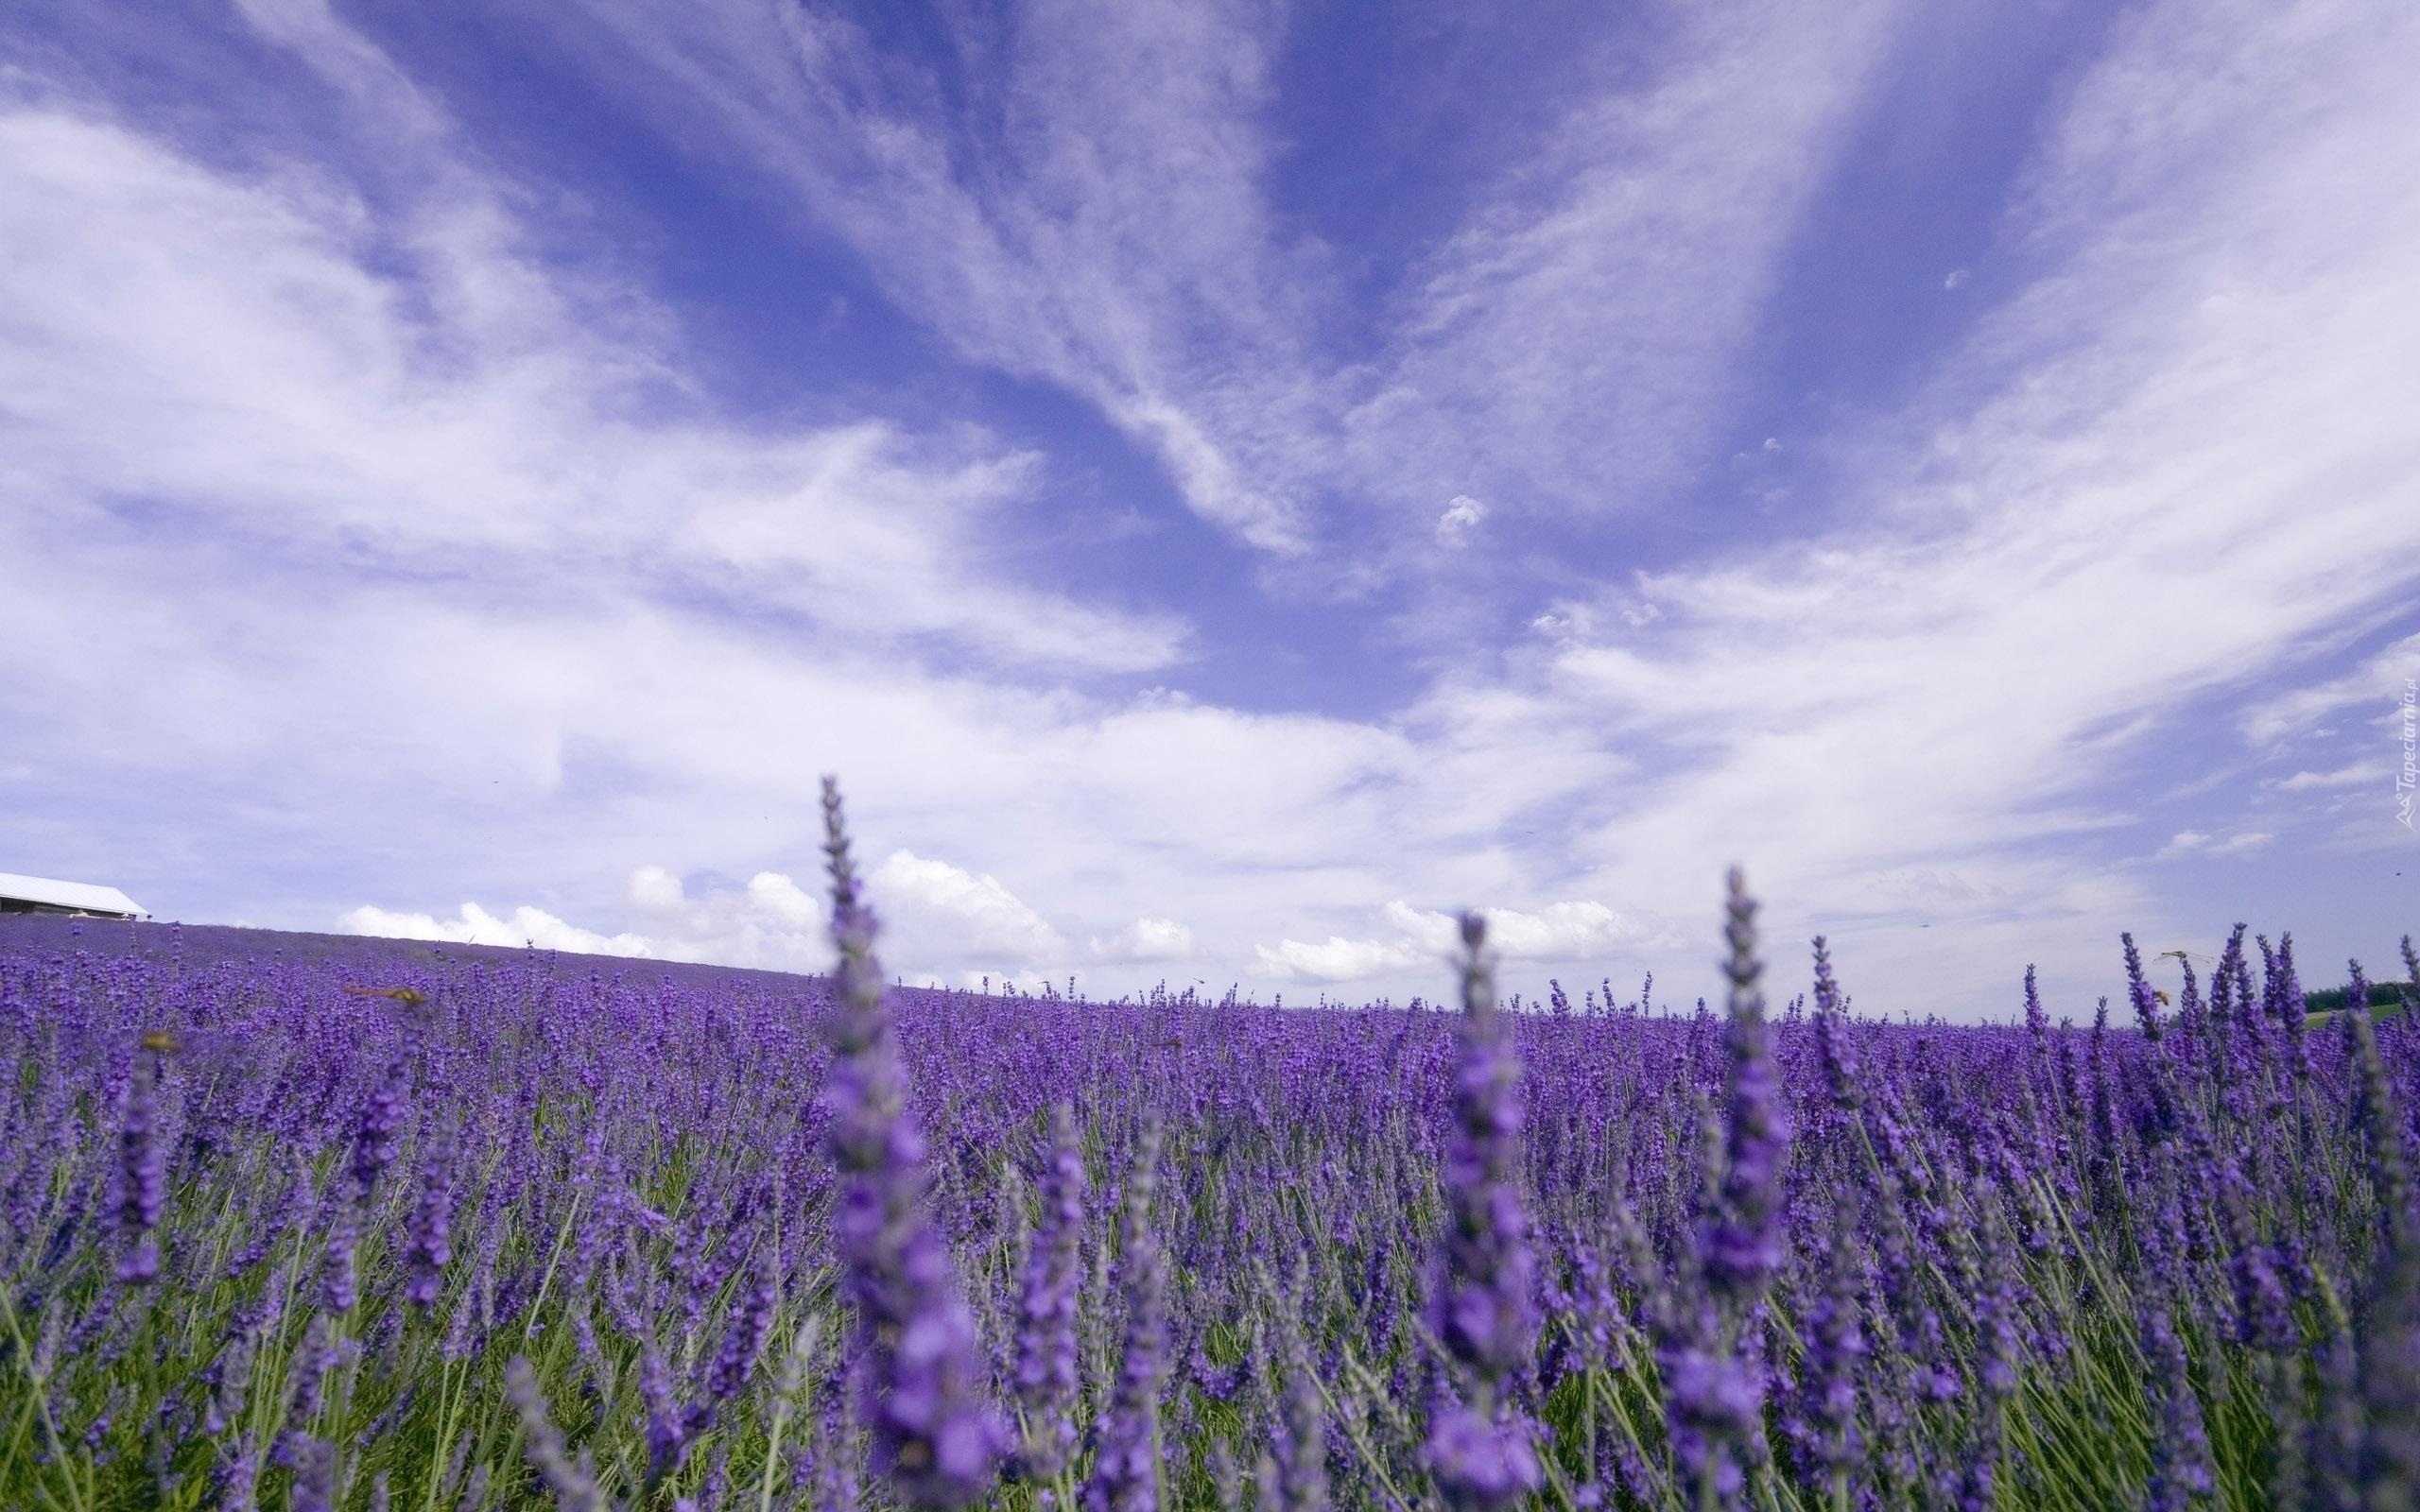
[[383, 1225]]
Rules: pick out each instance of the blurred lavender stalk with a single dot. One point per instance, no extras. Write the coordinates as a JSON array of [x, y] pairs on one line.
[[1481, 1448], [934, 1437]]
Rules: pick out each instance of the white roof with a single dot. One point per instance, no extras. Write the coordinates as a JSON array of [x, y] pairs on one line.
[[90, 897]]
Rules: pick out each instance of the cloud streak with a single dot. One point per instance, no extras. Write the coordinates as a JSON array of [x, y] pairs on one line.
[[452, 582], [1090, 204]]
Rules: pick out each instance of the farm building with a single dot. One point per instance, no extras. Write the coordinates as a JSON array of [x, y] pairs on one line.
[[42, 895]]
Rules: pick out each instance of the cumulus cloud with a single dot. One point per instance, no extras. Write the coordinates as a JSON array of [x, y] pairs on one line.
[[1146, 940], [938, 922], [474, 925], [1336, 958], [776, 897], [654, 891], [1425, 940], [946, 910]]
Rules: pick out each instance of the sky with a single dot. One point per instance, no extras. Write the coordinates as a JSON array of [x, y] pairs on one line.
[[1225, 484]]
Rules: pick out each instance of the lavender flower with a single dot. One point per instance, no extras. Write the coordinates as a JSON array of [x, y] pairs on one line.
[[1302, 1438], [314, 1463], [1834, 1350], [743, 1342], [2373, 1113], [1488, 1323], [1998, 1351], [1832, 1036], [1481, 1461], [142, 1169], [1045, 1342], [1481, 1456], [339, 1288], [665, 1426], [572, 1480], [2138, 991], [1741, 1245], [428, 1243], [934, 1439], [2181, 1468], [1714, 1403], [374, 1139], [1711, 1404], [1126, 1462], [2390, 1349]]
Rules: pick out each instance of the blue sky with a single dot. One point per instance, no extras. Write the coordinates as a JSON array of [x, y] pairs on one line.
[[1225, 485]]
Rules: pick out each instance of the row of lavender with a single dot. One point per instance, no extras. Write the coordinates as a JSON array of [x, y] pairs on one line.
[[397, 1232]]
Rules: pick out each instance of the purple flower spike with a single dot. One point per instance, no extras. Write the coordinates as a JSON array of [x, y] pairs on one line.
[[1742, 1246], [428, 1243], [1125, 1469], [1834, 1337], [1714, 1397], [1480, 1462], [934, 1439], [1487, 1314], [666, 1428], [2181, 1468], [373, 1138], [572, 1480], [1045, 1355], [2389, 1386], [143, 1169], [1711, 1405], [1302, 1438], [1832, 1041], [2139, 992], [339, 1288], [745, 1342]]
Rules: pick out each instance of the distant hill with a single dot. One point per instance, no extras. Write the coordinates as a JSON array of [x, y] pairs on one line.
[[219, 943]]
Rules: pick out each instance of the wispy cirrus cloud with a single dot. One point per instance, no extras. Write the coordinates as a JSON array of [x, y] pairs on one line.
[[1082, 195], [2154, 478]]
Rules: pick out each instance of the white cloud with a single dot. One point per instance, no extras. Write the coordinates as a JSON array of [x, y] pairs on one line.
[[2033, 587], [1337, 959], [778, 898], [2360, 774], [938, 922], [957, 915], [1565, 343], [428, 398], [2376, 682], [772, 922], [1461, 517], [654, 891], [1146, 940], [474, 925], [2195, 842], [1427, 942]]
